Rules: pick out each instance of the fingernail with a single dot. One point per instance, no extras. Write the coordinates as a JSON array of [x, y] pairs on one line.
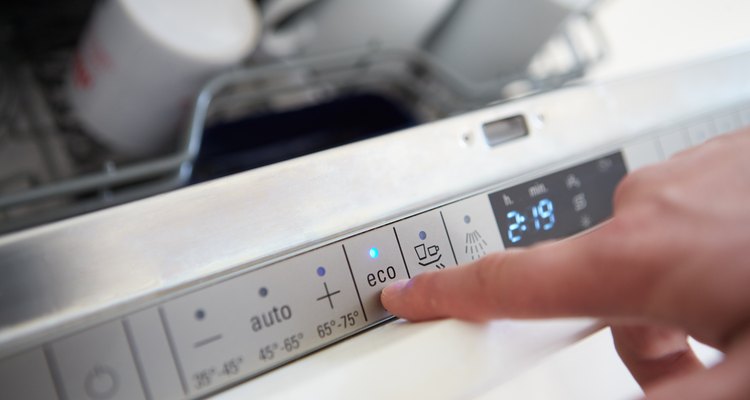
[[395, 288]]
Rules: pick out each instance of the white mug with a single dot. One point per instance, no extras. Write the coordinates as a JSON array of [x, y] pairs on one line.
[[140, 62]]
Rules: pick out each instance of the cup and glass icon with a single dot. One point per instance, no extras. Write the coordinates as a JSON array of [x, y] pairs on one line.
[[428, 255]]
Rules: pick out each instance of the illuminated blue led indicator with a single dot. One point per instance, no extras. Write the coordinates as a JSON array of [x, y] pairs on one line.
[[374, 253], [422, 235], [321, 271]]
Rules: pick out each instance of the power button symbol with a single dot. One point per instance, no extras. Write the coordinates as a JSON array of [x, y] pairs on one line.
[[101, 383]]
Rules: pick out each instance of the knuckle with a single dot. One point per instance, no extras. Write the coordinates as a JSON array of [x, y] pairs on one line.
[[488, 278], [429, 292], [629, 186], [423, 283], [646, 191]]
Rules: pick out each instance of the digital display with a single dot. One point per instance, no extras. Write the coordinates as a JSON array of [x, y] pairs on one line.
[[558, 205]]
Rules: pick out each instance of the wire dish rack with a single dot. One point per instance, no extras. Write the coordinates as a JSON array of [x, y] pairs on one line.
[[50, 169]]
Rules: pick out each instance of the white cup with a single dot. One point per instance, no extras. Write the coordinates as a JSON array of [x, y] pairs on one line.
[[140, 62]]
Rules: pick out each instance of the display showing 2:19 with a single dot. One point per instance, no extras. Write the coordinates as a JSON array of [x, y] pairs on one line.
[[543, 214]]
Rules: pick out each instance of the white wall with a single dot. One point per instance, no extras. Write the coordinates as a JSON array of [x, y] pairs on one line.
[[645, 34]]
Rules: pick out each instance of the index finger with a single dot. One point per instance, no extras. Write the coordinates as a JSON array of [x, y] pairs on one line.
[[587, 275]]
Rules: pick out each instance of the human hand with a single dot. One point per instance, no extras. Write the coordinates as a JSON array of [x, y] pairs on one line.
[[673, 261]]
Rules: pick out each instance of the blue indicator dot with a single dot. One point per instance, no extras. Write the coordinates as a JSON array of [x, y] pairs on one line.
[[321, 271], [467, 219], [263, 292], [422, 235], [200, 314], [374, 253]]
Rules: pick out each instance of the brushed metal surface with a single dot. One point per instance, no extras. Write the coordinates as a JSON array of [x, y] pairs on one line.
[[71, 273]]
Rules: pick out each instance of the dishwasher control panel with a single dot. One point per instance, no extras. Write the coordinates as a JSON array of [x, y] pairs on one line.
[[249, 323], [253, 322], [226, 330]]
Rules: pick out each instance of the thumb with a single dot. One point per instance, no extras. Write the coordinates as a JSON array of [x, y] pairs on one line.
[[725, 381]]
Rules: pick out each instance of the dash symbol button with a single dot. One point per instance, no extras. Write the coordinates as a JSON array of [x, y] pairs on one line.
[[207, 340]]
